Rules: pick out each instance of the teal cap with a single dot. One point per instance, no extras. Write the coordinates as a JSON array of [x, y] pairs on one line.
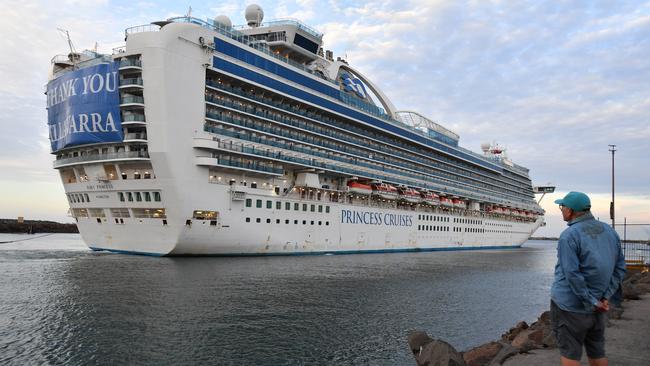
[[577, 201]]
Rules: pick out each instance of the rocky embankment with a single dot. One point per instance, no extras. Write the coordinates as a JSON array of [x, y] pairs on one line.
[[35, 226], [522, 338]]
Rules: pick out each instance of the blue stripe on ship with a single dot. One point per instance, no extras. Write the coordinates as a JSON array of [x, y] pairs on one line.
[[270, 66], [326, 252]]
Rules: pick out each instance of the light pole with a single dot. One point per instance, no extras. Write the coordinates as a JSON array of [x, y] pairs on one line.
[[612, 215]]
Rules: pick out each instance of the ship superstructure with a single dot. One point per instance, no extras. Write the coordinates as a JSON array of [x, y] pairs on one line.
[[200, 138]]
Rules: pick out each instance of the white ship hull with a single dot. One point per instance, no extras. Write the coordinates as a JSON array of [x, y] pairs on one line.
[[312, 233]]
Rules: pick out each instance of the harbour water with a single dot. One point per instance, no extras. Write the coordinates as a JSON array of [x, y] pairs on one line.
[[61, 303]]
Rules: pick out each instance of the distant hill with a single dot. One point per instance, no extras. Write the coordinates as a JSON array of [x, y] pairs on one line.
[[35, 226]]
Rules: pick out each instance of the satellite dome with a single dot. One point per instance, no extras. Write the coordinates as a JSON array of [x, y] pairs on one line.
[[223, 20], [254, 15], [485, 147]]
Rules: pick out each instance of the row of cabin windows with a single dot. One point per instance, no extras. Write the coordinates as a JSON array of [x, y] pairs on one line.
[[78, 197], [468, 221], [287, 206], [287, 221], [500, 225], [433, 228], [139, 196], [433, 218], [446, 228], [451, 164], [474, 230]]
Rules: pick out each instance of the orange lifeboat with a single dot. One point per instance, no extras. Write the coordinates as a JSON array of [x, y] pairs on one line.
[[409, 195], [444, 201], [359, 188], [458, 203], [384, 190]]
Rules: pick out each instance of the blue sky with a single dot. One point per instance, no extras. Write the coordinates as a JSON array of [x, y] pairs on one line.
[[555, 82]]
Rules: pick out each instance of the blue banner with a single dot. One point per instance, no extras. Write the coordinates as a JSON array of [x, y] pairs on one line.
[[83, 107]]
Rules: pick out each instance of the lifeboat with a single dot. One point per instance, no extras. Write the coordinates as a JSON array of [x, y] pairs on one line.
[[409, 195], [458, 203], [359, 188], [384, 190], [444, 201], [430, 198]]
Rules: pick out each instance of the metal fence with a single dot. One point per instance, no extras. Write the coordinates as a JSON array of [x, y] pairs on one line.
[[637, 252]]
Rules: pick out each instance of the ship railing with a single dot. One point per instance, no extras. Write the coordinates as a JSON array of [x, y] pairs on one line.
[[250, 166], [244, 123], [328, 121], [131, 81], [60, 58], [441, 187], [287, 21], [118, 50], [141, 28], [100, 157], [132, 99], [128, 117], [299, 125], [130, 62], [135, 136]]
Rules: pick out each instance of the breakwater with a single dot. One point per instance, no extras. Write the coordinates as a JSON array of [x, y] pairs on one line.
[[520, 339], [12, 226]]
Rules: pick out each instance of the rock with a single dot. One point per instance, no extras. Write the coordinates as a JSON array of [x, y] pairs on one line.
[[644, 277], [482, 355], [549, 340], [643, 287], [417, 340], [529, 339], [615, 312], [513, 332], [630, 292], [439, 353], [506, 352]]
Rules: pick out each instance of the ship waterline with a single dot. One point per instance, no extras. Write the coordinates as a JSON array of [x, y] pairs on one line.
[[257, 142]]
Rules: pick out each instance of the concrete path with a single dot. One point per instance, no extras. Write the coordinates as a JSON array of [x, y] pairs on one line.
[[627, 340]]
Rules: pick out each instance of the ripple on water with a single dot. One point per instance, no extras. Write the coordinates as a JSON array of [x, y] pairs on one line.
[[63, 304]]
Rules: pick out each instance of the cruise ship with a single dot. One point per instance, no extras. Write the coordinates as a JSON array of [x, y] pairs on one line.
[[198, 137]]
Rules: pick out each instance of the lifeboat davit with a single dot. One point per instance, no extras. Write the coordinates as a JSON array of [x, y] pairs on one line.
[[409, 195], [444, 201], [430, 198], [359, 188], [384, 190]]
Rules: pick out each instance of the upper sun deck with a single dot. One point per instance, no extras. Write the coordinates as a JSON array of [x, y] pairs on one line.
[[450, 139]]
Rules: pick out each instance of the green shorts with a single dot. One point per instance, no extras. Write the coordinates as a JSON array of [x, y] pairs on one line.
[[573, 330]]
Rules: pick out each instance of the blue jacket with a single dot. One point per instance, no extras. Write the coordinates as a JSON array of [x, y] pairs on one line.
[[590, 265]]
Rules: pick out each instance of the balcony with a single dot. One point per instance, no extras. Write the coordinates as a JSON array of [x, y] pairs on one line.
[[133, 119], [256, 167], [131, 83], [135, 137], [124, 155], [132, 102], [129, 65]]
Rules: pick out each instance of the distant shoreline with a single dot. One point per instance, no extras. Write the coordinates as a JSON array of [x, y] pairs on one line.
[[11, 226]]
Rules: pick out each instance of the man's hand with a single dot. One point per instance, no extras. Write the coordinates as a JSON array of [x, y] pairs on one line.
[[602, 306]]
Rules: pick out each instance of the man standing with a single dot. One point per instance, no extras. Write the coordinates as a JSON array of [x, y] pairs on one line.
[[590, 268]]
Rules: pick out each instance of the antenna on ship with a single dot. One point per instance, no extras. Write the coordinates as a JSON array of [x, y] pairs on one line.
[[73, 56], [189, 12]]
